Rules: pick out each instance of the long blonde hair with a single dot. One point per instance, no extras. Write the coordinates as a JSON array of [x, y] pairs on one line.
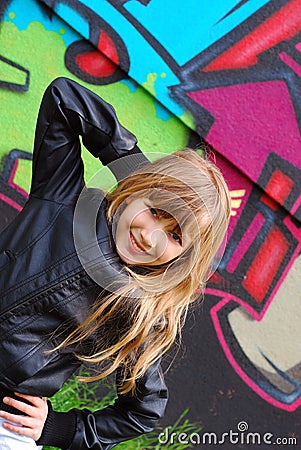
[[142, 319]]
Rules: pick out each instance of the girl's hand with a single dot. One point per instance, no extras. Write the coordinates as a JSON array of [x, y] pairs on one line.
[[32, 423]]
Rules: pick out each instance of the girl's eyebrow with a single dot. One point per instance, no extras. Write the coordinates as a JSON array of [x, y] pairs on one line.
[[173, 225]]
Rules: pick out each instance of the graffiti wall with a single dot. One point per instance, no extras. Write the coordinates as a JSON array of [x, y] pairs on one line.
[[178, 73]]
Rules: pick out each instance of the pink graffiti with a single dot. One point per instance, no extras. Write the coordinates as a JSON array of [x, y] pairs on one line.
[[226, 298], [13, 184], [10, 202], [251, 120]]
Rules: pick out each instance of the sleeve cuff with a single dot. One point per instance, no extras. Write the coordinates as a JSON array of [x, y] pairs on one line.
[[124, 166], [59, 429]]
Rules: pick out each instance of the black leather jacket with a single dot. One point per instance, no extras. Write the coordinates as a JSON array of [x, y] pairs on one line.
[[43, 284]]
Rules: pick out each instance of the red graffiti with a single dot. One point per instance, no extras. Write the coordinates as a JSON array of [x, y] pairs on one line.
[[266, 35], [99, 64]]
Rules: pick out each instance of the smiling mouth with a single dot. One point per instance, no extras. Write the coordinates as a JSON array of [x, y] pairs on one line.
[[136, 246]]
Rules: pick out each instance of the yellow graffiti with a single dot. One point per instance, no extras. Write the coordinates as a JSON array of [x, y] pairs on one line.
[[236, 199]]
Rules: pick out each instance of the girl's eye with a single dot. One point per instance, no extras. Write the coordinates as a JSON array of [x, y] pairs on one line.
[[176, 237], [153, 211]]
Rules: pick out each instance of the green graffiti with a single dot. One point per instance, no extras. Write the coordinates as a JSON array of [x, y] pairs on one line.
[[42, 53], [149, 84], [11, 74], [188, 119], [22, 178]]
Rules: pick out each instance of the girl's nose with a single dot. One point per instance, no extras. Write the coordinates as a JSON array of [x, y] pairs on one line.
[[146, 238], [152, 236]]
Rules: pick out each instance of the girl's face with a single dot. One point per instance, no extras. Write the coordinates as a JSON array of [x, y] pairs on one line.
[[145, 238]]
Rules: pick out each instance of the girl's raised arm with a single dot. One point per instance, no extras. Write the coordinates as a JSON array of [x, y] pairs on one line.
[[69, 110]]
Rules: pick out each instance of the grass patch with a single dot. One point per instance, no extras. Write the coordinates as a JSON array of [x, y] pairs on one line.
[[78, 395]]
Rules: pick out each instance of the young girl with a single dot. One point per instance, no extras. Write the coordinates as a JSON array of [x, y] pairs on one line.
[[105, 280]]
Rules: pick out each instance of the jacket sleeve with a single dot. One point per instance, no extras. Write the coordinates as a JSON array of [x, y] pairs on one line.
[[129, 417], [68, 110]]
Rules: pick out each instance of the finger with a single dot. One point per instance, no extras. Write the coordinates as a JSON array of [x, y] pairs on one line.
[[28, 432], [19, 420], [19, 405], [33, 399]]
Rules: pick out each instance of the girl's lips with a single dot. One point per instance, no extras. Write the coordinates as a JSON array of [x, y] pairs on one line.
[[135, 246]]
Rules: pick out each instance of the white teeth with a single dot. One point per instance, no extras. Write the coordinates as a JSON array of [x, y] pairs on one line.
[[136, 246]]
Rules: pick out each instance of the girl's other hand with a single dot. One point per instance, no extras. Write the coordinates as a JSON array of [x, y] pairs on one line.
[[30, 424]]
